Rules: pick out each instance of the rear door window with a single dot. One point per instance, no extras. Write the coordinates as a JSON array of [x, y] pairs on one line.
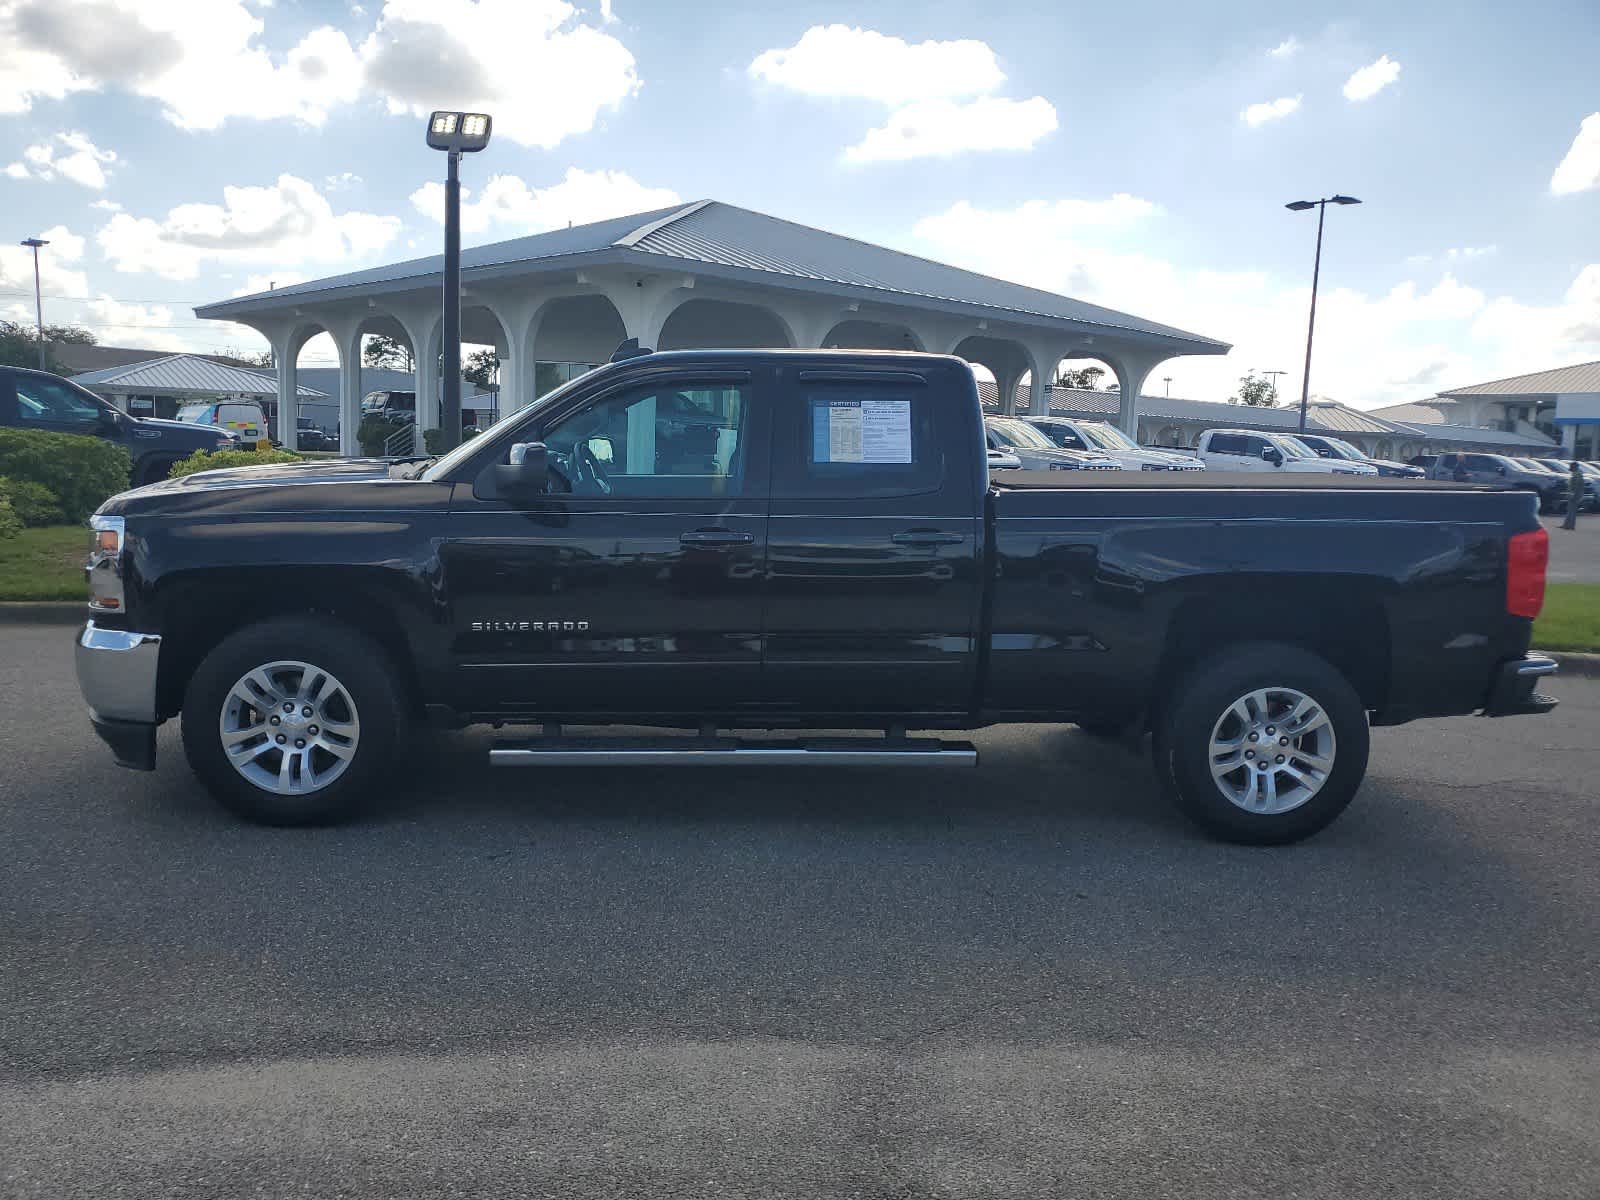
[[1226, 443], [858, 438]]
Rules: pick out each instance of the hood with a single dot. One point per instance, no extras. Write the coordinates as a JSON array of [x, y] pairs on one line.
[[201, 435], [1144, 454], [1390, 467], [340, 470]]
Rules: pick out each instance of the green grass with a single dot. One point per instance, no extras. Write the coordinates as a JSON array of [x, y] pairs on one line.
[[1571, 618], [44, 564]]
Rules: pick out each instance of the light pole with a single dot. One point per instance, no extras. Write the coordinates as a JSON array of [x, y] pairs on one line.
[[456, 134], [1311, 327], [1167, 379], [38, 297], [1273, 375]]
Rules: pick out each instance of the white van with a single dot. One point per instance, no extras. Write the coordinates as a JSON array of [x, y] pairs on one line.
[[1251, 450], [242, 418]]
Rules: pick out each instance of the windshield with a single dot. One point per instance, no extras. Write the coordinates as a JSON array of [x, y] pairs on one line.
[[1344, 450], [1293, 447], [1108, 437], [1019, 433], [195, 413], [503, 434]]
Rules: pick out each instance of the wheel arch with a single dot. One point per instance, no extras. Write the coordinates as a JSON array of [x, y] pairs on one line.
[[200, 612], [1344, 622]]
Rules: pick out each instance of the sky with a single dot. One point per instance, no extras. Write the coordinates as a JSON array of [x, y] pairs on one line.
[[1137, 155]]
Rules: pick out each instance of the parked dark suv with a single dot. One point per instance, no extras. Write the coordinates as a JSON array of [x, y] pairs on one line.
[[39, 400], [1497, 468]]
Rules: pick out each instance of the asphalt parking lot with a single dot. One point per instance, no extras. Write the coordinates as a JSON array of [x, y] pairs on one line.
[[1026, 980]]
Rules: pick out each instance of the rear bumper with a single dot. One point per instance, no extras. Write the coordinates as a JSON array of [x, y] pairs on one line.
[[117, 675], [1513, 693]]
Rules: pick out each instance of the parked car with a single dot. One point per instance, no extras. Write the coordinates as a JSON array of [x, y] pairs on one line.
[[1332, 447], [1425, 461], [1101, 438], [399, 407], [1037, 452], [836, 556], [1256, 452], [309, 436], [1499, 470], [1589, 472], [40, 400], [244, 419]]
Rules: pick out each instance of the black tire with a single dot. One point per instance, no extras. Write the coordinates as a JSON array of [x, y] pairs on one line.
[[1200, 699], [358, 663], [153, 469]]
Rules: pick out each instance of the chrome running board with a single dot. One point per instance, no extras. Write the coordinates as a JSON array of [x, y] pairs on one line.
[[731, 752]]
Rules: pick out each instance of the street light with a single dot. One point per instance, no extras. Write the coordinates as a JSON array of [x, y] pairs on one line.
[[1322, 211], [1273, 375], [456, 134], [38, 299]]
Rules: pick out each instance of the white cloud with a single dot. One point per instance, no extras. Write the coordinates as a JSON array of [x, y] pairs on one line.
[[542, 72], [938, 92], [1371, 79], [510, 204], [58, 272], [1579, 171], [941, 128], [200, 59], [1289, 45], [1372, 347], [287, 222], [70, 155], [341, 181], [843, 60], [106, 205], [1269, 110]]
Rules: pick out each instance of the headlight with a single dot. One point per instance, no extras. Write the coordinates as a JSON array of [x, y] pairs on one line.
[[104, 569]]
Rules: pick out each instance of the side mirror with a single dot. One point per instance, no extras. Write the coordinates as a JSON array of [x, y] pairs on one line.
[[526, 474], [1272, 456], [1499, 470]]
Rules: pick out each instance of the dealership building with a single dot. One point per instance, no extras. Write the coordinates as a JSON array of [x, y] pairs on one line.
[[705, 274]]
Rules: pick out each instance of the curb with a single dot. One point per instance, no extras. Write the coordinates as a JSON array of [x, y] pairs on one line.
[[1573, 663], [48, 612]]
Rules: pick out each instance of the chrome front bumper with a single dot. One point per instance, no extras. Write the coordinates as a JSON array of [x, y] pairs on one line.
[[117, 672]]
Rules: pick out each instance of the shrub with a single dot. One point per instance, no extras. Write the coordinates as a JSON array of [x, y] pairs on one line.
[[433, 441], [10, 526], [373, 432], [221, 460], [33, 503], [79, 472]]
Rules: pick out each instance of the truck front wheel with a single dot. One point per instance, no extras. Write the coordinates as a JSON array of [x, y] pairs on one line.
[[1262, 743], [293, 721]]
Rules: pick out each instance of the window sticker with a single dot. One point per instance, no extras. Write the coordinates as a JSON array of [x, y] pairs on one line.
[[861, 431]]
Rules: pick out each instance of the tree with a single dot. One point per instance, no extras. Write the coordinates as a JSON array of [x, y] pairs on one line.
[[19, 343], [253, 358], [483, 368], [1256, 391], [388, 353], [1084, 378]]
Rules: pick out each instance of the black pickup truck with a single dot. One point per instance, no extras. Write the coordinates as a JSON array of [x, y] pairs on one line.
[[718, 541]]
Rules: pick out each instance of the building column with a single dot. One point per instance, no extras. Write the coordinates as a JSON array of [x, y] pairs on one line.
[[1132, 371], [1043, 357], [645, 302], [285, 349], [347, 341], [1006, 387]]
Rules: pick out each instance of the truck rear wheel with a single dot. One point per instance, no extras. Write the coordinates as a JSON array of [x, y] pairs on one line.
[[293, 721], [1263, 743]]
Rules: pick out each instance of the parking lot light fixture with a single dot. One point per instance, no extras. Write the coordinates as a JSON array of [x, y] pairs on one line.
[[38, 298], [456, 133], [1316, 270]]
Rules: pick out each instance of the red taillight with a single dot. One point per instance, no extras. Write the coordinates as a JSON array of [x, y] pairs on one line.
[[1526, 561]]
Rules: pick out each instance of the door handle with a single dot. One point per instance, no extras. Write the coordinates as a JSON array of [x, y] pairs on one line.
[[928, 537], [715, 537]]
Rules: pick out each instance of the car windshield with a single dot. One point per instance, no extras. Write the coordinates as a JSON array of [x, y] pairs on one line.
[[195, 413], [503, 435], [1344, 450], [1108, 437], [1019, 433], [1293, 447]]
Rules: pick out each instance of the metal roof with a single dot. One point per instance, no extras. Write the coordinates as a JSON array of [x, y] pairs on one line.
[[1580, 377], [741, 244], [1414, 414], [185, 373]]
